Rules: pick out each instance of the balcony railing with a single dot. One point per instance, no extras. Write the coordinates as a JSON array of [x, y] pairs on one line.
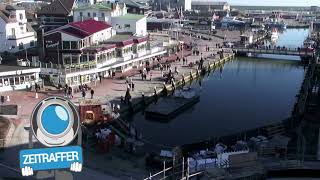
[[84, 66], [20, 36]]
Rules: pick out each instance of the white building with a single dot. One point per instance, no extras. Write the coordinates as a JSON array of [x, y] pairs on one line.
[[14, 33], [115, 14], [89, 49], [17, 77], [130, 23], [99, 11]]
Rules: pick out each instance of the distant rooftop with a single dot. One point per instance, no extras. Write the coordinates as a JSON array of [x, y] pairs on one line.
[[209, 2], [120, 38], [125, 39], [100, 6], [57, 7], [134, 3], [130, 17]]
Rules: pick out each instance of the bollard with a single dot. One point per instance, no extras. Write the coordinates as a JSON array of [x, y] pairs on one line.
[[8, 98]]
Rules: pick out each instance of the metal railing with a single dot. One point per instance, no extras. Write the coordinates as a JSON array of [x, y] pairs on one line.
[[287, 51]]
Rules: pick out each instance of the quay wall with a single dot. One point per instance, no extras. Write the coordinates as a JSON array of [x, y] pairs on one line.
[[142, 103]]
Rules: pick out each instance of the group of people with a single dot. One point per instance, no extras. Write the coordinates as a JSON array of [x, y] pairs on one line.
[[196, 52], [83, 92], [68, 91], [144, 72]]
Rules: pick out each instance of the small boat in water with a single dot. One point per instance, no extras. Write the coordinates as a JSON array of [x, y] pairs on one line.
[[274, 35], [185, 92]]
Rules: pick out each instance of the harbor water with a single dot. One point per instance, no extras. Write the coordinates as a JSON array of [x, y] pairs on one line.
[[246, 93]]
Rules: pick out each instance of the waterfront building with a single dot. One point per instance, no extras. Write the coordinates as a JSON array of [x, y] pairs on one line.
[[130, 23], [136, 7], [15, 35], [72, 38], [314, 9], [315, 26], [99, 11], [155, 24], [115, 14], [207, 5], [18, 77], [80, 52]]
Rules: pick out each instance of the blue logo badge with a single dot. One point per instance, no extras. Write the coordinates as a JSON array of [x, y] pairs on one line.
[[55, 124]]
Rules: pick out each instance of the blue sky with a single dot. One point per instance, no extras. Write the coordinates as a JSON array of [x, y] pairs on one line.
[[275, 2]]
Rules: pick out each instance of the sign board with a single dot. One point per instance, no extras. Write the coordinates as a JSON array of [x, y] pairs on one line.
[[51, 158]]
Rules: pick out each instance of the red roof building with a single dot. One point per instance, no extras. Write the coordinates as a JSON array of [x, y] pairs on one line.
[[90, 26]]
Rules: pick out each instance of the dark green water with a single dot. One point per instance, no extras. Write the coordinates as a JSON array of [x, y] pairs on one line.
[[246, 94]]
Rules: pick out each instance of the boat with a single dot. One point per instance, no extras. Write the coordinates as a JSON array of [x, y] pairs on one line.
[[274, 35], [185, 92], [275, 23]]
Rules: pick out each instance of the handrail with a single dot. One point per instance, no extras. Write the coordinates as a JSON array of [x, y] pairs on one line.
[[275, 51]]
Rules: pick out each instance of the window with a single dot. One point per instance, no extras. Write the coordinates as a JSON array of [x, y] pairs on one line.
[[32, 77], [89, 15], [102, 14], [13, 31], [81, 14], [17, 80], [1, 83], [74, 45], [6, 81], [66, 45], [21, 46], [11, 81], [67, 59], [32, 43], [21, 16], [127, 26], [22, 80], [94, 14]]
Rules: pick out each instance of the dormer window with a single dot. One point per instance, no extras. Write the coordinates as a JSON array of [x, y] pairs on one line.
[[21, 16]]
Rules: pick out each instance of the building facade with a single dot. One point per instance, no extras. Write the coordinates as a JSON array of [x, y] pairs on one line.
[[136, 7], [208, 6], [130, 23], [90, 49], [100, 11], [115, 14], [55, 14], [14, 33], [18, 78]]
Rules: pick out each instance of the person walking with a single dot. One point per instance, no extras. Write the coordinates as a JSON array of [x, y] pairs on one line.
[[100, 78], [65, 91], [70, 92], [92, 93], [83, 94]]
